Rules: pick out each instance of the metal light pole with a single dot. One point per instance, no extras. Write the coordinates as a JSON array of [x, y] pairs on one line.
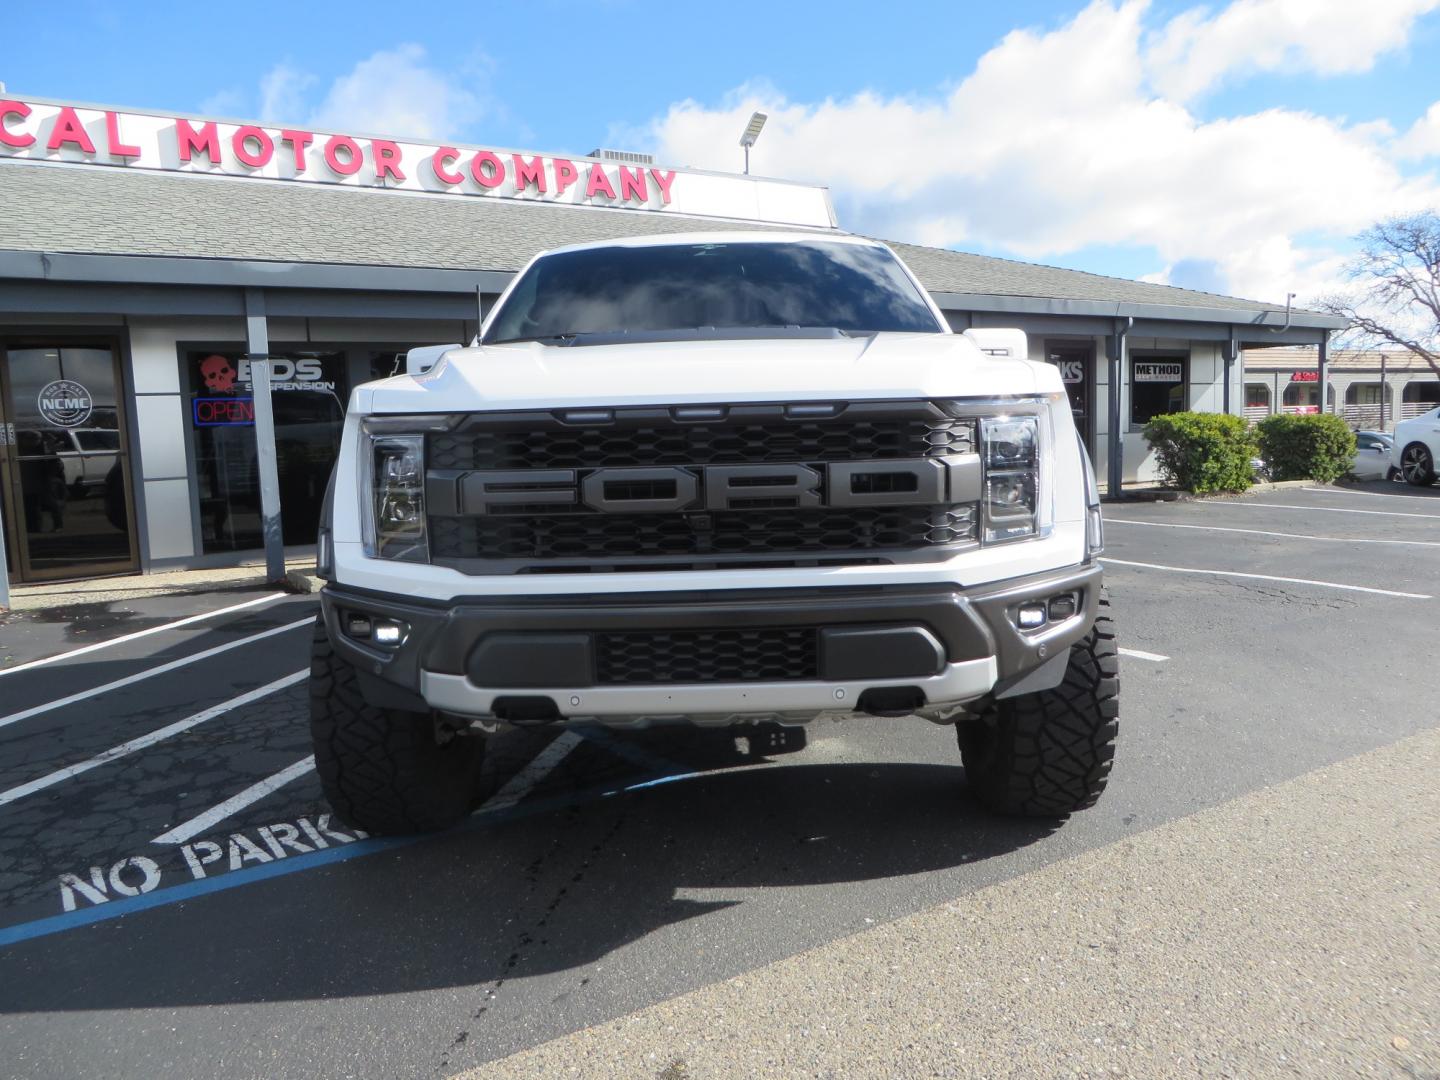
[[1383, 389], [752, 132], [257, 344]]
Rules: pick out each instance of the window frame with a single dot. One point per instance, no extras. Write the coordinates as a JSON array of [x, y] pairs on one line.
[[1150, 356]]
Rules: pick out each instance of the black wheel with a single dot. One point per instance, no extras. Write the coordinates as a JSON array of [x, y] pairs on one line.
[[1417, 465], [1048, 754], [384, 771], [1393, 475]]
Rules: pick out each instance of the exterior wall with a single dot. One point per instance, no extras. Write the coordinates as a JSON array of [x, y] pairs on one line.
[[165, 508], [1275, 367], [1204, 381], [166, 493], [164, 474]]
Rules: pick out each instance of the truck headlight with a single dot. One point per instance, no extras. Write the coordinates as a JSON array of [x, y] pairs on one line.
[[1010, 447], [394, 481]]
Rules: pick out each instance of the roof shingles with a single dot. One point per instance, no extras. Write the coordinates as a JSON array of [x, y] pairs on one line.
[[112, 211]]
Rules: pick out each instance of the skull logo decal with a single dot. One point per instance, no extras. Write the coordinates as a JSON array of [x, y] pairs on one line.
[[218, 373]]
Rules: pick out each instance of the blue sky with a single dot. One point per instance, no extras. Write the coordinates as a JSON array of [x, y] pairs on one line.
[[1233, 148]]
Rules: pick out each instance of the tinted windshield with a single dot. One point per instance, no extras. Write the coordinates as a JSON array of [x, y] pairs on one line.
[[605, 291]]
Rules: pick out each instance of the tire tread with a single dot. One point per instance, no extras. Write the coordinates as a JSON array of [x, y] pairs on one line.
[[1052, 751], [382, 770]]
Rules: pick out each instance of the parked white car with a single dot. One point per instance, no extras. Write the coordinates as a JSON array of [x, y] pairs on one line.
[[1372, 456], [1417, 445], [88, 457]]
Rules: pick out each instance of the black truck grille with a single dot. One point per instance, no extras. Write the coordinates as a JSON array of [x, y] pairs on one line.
[[696, 656], [734, 533], [755, 434], [522, 537]]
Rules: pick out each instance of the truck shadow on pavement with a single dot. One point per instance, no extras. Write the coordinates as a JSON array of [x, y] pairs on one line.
[[542, 894]]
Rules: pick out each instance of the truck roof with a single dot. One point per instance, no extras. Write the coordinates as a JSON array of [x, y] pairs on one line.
[[732, 236]]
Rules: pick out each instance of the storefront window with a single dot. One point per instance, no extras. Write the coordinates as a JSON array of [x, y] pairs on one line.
[[308, 394], [1257, 396], [66, 496], [386, 363], [1157, 386], [1363, 394], [1302, 395]]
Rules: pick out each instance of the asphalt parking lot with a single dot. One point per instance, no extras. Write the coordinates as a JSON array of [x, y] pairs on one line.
[[175, 900]]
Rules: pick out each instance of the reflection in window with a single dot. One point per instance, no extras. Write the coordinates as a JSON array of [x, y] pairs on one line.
[[1157, 387], [712, 286], [307, 399]]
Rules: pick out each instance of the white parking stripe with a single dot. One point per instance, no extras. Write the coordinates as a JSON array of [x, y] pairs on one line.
[[1263, 532], [1369, 494], [233, 805], [1268, 577], [269, 598], [519, 785], [1141, 654], [26, 714], [1330, 510], [159, 735]]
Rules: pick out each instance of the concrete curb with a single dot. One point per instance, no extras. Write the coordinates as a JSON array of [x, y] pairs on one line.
[[1164, 494], [300, 581], [120, 590]]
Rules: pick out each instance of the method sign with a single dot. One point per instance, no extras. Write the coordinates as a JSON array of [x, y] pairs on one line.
[[1156, 371]]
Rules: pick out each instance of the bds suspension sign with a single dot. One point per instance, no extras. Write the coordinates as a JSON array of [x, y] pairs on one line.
[[75, 134]]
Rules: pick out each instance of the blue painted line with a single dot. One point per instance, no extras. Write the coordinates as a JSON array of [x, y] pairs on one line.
[[294, 864]]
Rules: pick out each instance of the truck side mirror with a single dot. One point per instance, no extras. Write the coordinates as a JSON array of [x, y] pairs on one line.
[[418, 361]]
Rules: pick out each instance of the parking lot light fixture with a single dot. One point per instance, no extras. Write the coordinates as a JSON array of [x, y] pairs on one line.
[[752, 132]]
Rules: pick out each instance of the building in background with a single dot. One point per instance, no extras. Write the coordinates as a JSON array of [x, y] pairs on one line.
[[149, 262], [1372, 389]]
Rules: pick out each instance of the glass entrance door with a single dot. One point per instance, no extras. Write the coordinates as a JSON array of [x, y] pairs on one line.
[[1075, 361], [64, 467]]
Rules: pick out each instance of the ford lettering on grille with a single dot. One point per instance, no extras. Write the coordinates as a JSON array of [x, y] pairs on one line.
[[673, 489]]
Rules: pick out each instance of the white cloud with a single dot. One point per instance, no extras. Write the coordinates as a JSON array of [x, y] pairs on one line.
[[282, 93], [1196, 50], [391, 92], [228, 102], [1058, 141], [396, 93], [1423, 138]]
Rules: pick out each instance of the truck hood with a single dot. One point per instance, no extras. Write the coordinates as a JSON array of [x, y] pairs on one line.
[[535, 376]]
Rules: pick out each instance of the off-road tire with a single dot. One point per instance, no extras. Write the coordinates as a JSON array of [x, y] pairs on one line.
[[384, 770], [1048, 754]]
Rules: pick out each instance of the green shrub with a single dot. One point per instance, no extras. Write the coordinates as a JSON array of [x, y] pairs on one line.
[[1313, 447], [1202, 452]]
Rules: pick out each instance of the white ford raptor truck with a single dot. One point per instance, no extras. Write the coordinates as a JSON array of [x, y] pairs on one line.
[[718, 478]]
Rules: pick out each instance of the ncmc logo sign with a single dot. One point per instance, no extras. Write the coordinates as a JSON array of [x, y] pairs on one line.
[[65, 403]]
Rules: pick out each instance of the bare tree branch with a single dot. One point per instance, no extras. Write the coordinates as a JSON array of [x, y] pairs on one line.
[[1397, 302]]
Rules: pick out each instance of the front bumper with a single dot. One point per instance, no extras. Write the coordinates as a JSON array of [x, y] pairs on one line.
[[927, 649]]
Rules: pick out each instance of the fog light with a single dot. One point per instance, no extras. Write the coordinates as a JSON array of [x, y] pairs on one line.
[[389, 633], [358, 626], [1031, 616], [1062, 607]]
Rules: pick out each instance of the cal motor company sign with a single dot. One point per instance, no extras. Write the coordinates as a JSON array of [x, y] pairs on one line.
[[76, 134]]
